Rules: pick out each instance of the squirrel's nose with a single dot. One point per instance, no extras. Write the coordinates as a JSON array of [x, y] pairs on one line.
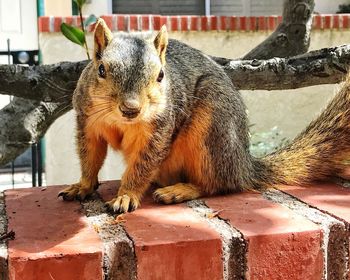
[[130, 108]]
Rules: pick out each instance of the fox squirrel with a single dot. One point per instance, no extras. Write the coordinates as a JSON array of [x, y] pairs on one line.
[[178, 120]]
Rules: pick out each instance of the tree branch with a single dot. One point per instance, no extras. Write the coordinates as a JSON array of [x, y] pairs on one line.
[[325, 66], [292, 36], [48, 83], [24, 122]]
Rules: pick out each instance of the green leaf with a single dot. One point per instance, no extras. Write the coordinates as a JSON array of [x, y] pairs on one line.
[[90, 20], [80, 3], [73, 34]]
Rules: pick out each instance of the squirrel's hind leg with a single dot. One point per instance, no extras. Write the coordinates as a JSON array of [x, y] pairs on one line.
[[177, 193]]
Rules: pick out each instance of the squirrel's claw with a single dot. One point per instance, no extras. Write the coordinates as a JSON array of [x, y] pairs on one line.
[[122, 204], [73, 192]]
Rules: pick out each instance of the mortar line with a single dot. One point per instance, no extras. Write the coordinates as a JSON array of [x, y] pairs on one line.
[[111, 234], [228, 235], [4, 243]]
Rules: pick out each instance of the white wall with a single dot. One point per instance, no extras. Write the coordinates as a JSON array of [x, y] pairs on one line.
[[64, 7], [98, 7], [61, 8]]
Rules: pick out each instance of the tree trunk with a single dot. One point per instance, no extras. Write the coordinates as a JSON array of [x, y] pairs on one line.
[[292, 36], [325, 66], [48, 83]]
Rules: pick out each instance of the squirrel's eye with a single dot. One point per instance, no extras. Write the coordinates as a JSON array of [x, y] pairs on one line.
[[160, 76], [102, 71]]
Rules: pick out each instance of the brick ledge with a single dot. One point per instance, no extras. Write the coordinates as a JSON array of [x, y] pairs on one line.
[[119, 22], [252, 236]]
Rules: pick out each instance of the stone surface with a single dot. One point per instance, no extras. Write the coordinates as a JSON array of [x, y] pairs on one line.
[[53, 239], [170, 241], [281, 244]]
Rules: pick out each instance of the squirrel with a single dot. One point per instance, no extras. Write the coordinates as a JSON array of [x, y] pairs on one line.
[[180, 123]]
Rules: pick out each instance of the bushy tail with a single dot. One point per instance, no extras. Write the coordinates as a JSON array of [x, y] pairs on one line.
[[321, 152]]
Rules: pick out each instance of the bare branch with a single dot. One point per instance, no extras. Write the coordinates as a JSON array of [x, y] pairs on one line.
[[325, 66], [292, 36], [48, 83], [24, 122]]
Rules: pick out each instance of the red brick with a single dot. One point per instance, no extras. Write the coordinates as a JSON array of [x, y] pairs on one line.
[[213, 23], [252, 23], [204, 23], [145, 22], [194, 23], [184, 23], [44, 24], [163, 21], [336, 23], [243, 23], [53, 239], [57, 24], [173, 23], [133, 22], [262, 23], [156, 22], [223, 25], [317, 22], [233, 23], [170, 241], [272, 22], [281, 244], [108, 20], [68, 20], [120, 22], [346, 21], [327, 21], [329, 198]]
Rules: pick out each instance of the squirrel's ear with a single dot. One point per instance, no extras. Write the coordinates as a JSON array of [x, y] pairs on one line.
[[102, 37], [161, 42]]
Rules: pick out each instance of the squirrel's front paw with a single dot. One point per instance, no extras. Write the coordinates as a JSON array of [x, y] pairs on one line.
[[75, 192], [123, 203]]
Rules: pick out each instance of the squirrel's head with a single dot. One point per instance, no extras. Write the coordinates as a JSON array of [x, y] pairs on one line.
[[130, 78]]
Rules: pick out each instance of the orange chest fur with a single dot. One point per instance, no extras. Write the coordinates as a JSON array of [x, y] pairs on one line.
[[129, 139]]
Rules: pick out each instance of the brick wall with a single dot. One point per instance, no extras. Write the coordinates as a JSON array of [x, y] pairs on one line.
[[195, 23]]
